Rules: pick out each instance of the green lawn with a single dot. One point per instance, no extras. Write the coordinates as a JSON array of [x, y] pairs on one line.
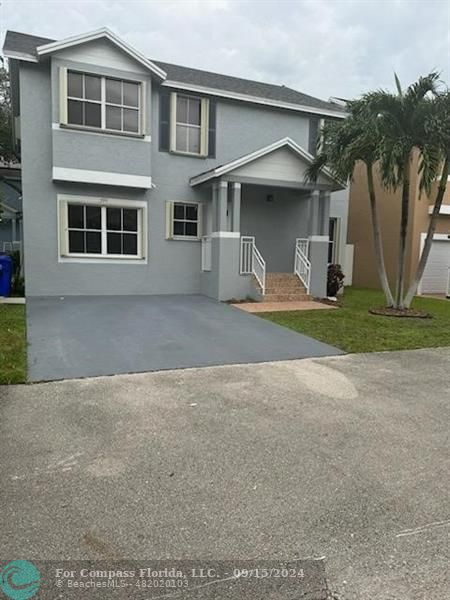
[[13, 362], [353, 329]]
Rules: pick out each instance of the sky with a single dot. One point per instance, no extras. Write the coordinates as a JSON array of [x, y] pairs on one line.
[[339, 48]]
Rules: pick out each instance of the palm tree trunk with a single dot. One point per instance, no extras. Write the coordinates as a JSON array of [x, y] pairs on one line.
[[430, 233], [378, 242], [403, 233]]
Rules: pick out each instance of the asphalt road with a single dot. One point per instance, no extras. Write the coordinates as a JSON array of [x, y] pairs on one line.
[[344, 459]]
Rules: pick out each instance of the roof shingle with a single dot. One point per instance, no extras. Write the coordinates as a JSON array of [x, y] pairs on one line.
[[27, 44]]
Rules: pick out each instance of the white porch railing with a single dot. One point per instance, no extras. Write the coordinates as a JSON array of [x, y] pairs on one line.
[[448, 284], [252, 263], [302, 264], [206, 253], [11, 246]]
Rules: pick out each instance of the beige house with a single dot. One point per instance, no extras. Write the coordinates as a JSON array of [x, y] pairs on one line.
[[436, 276]]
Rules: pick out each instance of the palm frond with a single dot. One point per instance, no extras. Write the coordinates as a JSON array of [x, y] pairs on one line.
[[315, 168], [398, 85]]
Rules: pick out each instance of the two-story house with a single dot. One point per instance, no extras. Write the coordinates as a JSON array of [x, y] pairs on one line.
[[141, 177]]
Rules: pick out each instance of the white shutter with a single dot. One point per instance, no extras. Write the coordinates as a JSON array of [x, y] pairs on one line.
[[200, 221], [169, 220], [204, 116], [63, 95], [173, 121]]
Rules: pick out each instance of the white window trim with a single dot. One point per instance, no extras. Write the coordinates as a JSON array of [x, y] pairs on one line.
[[63, 234], [204, 125], [337, 240], [64, 100], [170, 218]]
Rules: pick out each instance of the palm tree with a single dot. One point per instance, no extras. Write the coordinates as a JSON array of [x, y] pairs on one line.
[[436, 152], [343, 144], [401, 122]]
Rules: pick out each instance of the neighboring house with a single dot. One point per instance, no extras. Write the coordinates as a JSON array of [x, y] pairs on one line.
[[436, 276], [10, 208], [141, 177]]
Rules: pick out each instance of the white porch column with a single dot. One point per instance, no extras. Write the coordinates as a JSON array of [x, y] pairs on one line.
[[318, 255], [224, 281], [220, 200], [314, 213], [324, 212], [236, 206]]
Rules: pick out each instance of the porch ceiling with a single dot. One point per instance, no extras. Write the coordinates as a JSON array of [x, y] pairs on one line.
[[282, 163]]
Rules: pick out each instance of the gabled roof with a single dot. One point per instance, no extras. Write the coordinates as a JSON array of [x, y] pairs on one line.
[[45, 47], [29, 47], [257, 154]]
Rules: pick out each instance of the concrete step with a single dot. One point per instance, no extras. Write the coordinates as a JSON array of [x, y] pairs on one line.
[[298, 297], [273, 288], [281, 277]]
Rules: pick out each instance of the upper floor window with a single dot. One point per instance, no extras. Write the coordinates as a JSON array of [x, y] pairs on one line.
[[189, 124], [103, 103]]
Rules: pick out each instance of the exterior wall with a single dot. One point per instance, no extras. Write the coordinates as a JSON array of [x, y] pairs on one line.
[[172, 266], [360, 227], [276, 224], [92, 151]]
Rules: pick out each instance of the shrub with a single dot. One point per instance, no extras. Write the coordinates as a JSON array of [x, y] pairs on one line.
[[335, 280]]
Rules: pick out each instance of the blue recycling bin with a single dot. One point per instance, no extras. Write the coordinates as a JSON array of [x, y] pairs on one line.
[[6, 268]]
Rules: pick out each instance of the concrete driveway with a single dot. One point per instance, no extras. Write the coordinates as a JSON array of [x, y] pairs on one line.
[[345, 458], [104, 335]]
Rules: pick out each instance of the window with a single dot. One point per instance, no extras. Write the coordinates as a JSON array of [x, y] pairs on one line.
[[103, 102], [333, 245], [189, 124], [102, 228], [184, 220]]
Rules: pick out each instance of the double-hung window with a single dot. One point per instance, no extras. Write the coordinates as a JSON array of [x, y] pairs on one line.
[[103, 103], [189, 124], [184, 220], [93, 228]]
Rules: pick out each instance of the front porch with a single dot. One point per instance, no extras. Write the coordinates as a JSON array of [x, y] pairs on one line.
[[266, 230]]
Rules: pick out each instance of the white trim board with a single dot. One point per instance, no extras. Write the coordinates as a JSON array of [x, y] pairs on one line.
[[225, 234], [80, 129], [444, 210], [252, 156], [20, 56], [104, 32], [190, 87], [101, 177]]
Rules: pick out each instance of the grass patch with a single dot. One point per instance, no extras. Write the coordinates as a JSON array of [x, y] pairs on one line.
[[13, 362], [353, 329]]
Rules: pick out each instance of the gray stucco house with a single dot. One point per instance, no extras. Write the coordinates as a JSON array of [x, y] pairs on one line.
[[141, 177]]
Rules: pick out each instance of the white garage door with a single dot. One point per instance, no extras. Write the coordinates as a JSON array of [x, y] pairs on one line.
[[435, 277]]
